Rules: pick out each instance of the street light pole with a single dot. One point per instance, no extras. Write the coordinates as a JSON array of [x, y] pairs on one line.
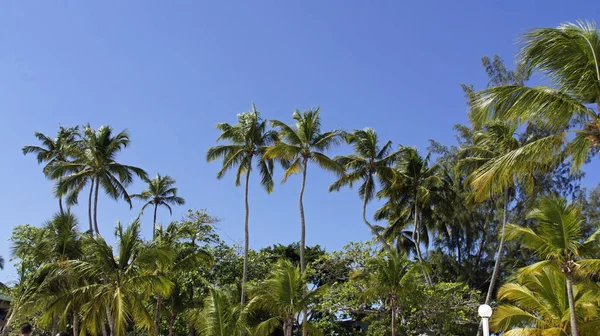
[[485, 312]]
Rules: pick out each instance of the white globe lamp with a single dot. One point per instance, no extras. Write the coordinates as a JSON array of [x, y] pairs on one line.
[[485, 312]]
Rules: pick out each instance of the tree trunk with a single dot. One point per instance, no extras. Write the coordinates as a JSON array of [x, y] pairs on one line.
[[496, 272], [246, 240], [393, 322], [287, 328], [303, 237], [171, 323], [96, 207], [60, 205], [191, 330], [416, 237], [385, 245], [573, 313], [157, 315], [55, 320], [154, 222], [90, 207], [6, 328], [111, 322], [103, 329], [75, 322]]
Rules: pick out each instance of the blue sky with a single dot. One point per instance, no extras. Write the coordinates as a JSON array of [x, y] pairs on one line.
[[169, 70]]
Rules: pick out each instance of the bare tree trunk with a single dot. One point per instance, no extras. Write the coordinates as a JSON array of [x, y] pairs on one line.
[[287, 328], [6, 328], [416, 237], [393, 322], [303, 237], [246, 240], [385, 245], [111, 322], [55, 324], [496, 272], [191, 330], [96, 207], [103, 329], [573, 313], [154, 222], [90, 207], [171, 323], [60, 205], [75, 322], [157, 315]]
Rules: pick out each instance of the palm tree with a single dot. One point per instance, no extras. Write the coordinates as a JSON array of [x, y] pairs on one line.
[[416, 186], [120, 284], [249, 140], [569, 57], [538, 304], [220, 316], [369, 161], [559, 242], [95, 164], [282, 294], [161, 191], [495, 140], [389, 279], [54, 151], [300, 145]]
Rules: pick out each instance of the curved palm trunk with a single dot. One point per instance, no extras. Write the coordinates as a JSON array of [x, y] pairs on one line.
[[96, 207], [385, 245], [496, 272], [157, 315], [154, 222], [416, 238], [303, 237], [60, 205], [90, 207], [572, 312], [246, 240]]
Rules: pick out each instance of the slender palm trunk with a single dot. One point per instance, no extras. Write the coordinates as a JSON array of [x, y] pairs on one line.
[[103, 329], [287, 328], [385, 245], [55, 324], [90, 207], [573, 313], [393, 322], [157, 315], [96, 207], [303, 237], [154, 222], [191, 330], [171, 322], [416, 238], [75, 322], [111, 322], [60, 205], [6, 328], [246, 240], [496, 272]]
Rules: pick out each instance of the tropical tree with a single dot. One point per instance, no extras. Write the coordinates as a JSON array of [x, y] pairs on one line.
[[416, 186], [120, 284], [538, 304], [368, 163], [568, 57], [220, 316], [95, 164], [389, 279], [493, 141], [300, 145], [283, 295], [161, 191], [248, 142], [559, 242], [54, 151]]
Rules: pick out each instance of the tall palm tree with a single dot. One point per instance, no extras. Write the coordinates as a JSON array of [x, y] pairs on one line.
[[121, 283], [569, 57], [538, 304], [560, 243], [368, 163], [300, 145], [283, 295], [95, 164], [248, 142], [220, 316], [415, 188], [161, 191], [54, 151], [493, 141]]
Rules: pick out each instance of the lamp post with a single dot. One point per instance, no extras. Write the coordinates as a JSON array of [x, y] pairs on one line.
[[485, 312]]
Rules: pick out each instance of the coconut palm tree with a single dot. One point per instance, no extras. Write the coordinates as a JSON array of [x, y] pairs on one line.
[[248, 142], [538, 304], [283, 295], [54, 151], [368, 163], [559, 242], [568, 56], [416, 186], [220, 316], [161, 191], [120, 284], [95, 164], [390, 278], [493, 141], [300, 145]]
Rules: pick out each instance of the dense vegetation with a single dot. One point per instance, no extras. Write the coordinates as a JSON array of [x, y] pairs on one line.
[[497, 217]]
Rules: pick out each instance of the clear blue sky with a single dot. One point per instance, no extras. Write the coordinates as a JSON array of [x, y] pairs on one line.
[[169, 70]]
